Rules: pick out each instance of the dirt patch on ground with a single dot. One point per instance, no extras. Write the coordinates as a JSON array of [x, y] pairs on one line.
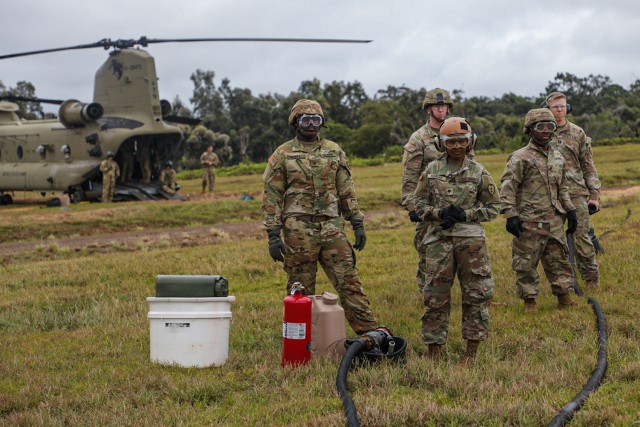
[[158, 238], [629, 190]]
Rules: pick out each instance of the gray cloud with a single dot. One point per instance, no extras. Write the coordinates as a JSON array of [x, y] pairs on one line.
[[483, 48]]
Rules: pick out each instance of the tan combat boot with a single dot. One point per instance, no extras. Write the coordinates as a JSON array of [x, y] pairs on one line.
[[564, 301], [530, 305], [435, 352], [470, 354]]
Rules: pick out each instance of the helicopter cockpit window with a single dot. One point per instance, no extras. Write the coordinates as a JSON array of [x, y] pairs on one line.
[[42, 151], [20, 152]]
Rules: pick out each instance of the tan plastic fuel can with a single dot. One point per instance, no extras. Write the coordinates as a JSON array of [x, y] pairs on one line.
[[328, 330]]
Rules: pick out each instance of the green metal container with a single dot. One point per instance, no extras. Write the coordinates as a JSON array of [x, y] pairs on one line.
[[191, 286]]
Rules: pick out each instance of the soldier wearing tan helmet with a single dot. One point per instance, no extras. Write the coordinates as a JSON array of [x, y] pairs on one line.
[[418, 153], [308, 195], [583, 182], [110, 172], [454, 195], [535, 201]]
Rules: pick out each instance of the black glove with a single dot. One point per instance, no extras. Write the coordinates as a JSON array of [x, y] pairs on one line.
[[457, 213], [276, 246], [413, 216], [450, 216], [572, 221], [592, 208], [514, 226], [358, 229]]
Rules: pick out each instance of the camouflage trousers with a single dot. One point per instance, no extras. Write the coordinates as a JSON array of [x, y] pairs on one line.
[[108, 187], [468, 256], [549, 248], [421, 230], [309, 243], [585, 252], [208, 179]]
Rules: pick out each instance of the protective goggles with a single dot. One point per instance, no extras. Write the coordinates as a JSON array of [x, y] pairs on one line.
[[306, 120], [544, 127], [451, 141]]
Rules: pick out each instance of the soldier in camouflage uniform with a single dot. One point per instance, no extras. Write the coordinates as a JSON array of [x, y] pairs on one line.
[[307, 187], [209, 161], [454, 195], [535, 200], [584, 184], [168, 178], [418, 153], [110, 172]]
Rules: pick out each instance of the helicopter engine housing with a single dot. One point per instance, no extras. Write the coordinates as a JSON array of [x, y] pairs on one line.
[[73, 113]]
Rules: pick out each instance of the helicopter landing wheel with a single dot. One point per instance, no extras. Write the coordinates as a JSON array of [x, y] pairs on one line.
[[6, 199], [78, 196]]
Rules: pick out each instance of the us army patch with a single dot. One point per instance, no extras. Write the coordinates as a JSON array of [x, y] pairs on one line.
[[272, 161], [492, 189]]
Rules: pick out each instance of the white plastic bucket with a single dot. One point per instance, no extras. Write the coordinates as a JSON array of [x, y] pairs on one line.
[[190, 332]]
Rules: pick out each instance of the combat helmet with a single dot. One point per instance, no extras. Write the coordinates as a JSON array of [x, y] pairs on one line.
[[110, 154], [168, 163], [437, 96], [305, 106], [456, 128], [538, 115]]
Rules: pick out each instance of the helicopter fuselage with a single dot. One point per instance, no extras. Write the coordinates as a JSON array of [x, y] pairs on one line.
[[64, 154]]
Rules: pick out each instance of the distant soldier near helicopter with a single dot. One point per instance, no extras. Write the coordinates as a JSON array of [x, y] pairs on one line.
[[209, 161], [110, 172]]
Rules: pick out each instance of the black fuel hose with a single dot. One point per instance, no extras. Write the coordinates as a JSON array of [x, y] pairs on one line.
[[596, 377], [354, 348]]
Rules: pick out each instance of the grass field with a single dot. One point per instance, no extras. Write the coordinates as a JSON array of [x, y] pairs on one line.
[[75, 335]]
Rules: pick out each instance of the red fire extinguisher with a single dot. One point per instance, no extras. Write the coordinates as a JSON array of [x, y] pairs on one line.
[[296, 327]]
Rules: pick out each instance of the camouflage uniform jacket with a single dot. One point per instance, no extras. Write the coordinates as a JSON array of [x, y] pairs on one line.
[[575, 146], [418, 153], [212, 158], [110, 168], [470, 188], [297, 182], [168, 178], [534, 185]]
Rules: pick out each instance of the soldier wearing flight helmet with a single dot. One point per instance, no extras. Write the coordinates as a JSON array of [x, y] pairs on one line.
[[454, 195]]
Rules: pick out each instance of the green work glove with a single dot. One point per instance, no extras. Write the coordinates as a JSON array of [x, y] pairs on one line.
[[276, 246], [358, 229]]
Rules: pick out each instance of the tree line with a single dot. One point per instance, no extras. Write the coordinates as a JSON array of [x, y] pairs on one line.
[[247, 128]]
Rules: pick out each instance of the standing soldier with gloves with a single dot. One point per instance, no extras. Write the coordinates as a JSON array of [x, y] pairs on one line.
[[454, 195], [583, 183], [535, 200], [307, 187], [209, 161], [110, 172], [418, 153]]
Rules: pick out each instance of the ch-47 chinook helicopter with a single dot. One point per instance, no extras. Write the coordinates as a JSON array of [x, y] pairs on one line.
[[126, 114]]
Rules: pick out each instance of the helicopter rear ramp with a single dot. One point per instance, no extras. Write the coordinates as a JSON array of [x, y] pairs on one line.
[[138, 191]]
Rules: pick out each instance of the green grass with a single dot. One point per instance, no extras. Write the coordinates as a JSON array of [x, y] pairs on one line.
[[75, 337]]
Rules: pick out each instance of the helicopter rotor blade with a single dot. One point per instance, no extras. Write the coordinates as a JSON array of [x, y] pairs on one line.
[[182, 120], [144, 41], [104, 43], [259, 39], [14, 98]]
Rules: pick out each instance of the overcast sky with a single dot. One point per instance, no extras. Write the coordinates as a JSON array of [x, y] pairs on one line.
[[481, 47]]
